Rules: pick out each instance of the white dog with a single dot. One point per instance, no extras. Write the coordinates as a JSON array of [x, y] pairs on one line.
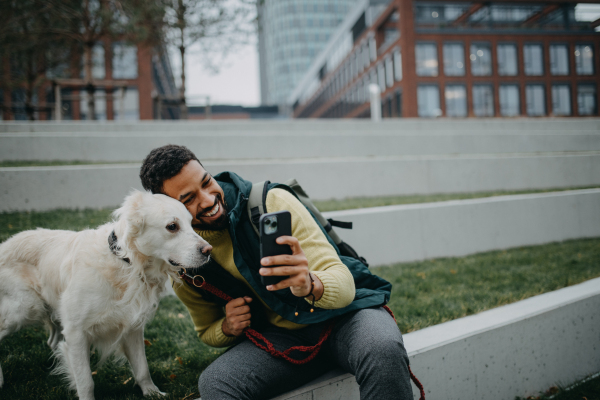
[[98, 288]]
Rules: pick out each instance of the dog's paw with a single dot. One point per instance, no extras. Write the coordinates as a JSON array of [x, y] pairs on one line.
[[152, 391]]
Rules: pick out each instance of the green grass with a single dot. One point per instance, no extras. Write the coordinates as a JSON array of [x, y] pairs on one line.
[[363, 202], [589, 390]]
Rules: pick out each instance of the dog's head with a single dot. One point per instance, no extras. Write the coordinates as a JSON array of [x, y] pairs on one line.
[[157, 226]]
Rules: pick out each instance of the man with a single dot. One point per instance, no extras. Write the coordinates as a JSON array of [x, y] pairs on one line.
[[365, 339]]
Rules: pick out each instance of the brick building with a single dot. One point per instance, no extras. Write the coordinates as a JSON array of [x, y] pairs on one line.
[[129, 82], [457, 59]]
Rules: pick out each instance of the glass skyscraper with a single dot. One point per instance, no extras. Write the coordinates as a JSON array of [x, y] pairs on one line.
[[291, 34]]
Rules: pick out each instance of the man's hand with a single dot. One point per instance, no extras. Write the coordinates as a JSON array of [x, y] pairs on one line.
[[296, 266], [237, 316]]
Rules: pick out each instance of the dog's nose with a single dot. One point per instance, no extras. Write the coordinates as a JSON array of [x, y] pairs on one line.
[[206, 249]]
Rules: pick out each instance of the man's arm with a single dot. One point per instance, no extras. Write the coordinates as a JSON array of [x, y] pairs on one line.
[[334, 284], [208, 318]]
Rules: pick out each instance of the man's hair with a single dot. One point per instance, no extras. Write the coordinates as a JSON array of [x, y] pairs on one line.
[[164, 163]]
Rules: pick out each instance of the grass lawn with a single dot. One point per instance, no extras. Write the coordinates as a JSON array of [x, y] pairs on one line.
[[424, 293], [589, 390]]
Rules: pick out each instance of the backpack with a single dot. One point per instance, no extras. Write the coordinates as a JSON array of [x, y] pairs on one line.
[[257, 206]]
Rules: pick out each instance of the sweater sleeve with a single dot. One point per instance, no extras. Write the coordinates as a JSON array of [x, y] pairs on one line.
[[323, 261], [206, 316]]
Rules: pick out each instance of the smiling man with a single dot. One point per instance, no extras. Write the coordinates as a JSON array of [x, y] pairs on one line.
[[365, 340]]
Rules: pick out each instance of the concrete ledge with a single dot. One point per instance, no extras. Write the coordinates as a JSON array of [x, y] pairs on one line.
[[481, 125], [385, 235], [127, 146], [515, 350], [46, 188]]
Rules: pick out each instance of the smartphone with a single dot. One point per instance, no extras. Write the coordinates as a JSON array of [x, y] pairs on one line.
[[272, 226]]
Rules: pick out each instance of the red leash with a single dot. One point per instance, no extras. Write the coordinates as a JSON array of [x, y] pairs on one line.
[[257, 338]]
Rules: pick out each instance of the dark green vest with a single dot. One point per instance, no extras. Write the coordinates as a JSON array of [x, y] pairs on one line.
[[371, 290]]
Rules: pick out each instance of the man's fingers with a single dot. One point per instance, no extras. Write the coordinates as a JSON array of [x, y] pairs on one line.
[[284, 259], [239, 311], [292, 242], [282, 271]]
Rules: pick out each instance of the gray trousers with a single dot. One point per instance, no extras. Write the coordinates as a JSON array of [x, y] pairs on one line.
[[366, 343]]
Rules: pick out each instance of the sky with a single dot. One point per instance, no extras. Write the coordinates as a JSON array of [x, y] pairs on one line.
[[236, 83]]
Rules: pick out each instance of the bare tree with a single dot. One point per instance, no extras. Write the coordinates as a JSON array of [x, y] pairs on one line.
[[30, 49], [218, 26]]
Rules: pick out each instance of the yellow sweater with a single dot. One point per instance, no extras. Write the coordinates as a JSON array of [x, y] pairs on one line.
[[323, 261]]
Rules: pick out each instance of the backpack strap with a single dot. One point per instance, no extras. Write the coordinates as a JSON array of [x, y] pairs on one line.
[[257, 203]]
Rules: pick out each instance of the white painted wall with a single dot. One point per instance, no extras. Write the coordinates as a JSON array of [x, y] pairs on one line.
[[519, 349], [46, 188], [457, 228]]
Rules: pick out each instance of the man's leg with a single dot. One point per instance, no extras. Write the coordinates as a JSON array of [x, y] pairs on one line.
[[369, 345], [247, 372]]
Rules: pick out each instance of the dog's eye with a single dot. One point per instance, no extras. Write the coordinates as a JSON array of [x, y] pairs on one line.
[[173, 227]]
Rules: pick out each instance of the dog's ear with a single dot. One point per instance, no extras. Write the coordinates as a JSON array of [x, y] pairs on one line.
[[130, 216]]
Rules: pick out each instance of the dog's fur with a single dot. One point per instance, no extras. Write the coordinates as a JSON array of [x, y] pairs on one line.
[[89, 297]]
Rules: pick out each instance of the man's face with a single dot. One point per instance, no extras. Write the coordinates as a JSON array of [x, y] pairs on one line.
[[200, 194]]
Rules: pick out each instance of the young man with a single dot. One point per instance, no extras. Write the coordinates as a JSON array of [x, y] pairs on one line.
[[365, 340]]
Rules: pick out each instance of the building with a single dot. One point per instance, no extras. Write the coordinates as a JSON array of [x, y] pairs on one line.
[[291, 34], [457, 59], [225, 111], [130, 82]]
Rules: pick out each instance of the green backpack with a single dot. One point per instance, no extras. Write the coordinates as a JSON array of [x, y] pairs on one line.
[[257, 206]]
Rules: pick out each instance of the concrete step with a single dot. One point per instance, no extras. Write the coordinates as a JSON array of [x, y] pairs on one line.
[[540, 124], [94, 186], [520, 349], [135, 147]]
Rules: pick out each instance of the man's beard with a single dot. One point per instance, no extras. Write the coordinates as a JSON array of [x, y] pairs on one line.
[[220, 223]]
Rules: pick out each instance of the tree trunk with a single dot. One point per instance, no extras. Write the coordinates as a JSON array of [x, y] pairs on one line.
[[184, 109], [87, 70]]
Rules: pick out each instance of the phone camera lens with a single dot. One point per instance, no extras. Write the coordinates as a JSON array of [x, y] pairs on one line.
[[274, 224], [268, 221]]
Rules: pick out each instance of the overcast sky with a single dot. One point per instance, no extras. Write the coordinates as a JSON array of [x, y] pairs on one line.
[[238, 80]]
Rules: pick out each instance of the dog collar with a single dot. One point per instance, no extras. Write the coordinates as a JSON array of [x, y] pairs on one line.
[[114, 247]]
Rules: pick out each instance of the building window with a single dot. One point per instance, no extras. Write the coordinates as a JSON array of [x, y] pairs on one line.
[[427, 59], [559, 59], [561, 100], [373, 49], [483, 101], [381, 77], [98, 65], [99, 105], [535, 96], [510, 101], [584, 59], [454, 59], [586, 100], [389, 72], [397, 65], [481, 59], [507, 59], [533, 56], [456, 101], [124, 61], [126, 105], [398, 101], [428, 99]]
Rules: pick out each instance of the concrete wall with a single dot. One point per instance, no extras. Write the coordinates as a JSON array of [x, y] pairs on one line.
[[519, 349], [133, 147], [457, 228], [421, 124], [45, 188]]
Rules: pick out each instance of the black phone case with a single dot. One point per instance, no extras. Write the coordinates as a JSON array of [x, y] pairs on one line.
[[268, 246]]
